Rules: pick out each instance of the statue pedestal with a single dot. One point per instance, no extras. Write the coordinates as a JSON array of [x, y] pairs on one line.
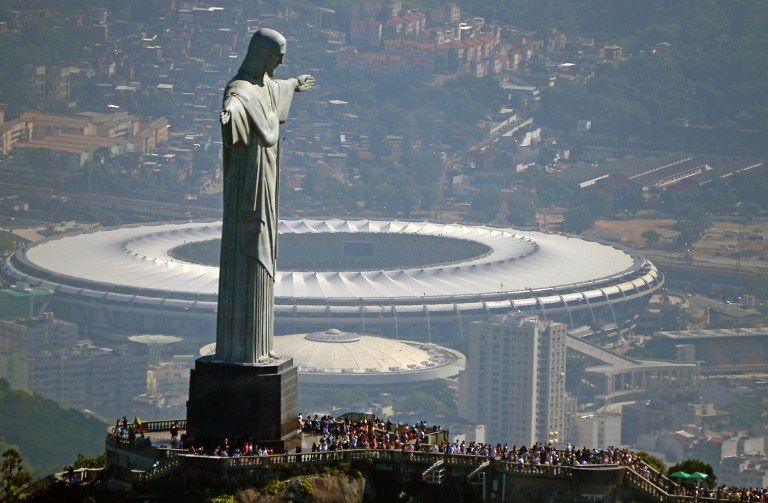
[[242, 402]]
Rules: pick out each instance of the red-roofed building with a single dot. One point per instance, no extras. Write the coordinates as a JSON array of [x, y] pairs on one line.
[[366, 32], [613, 53], [445, 14], [66, 151], [13, 132], [44, 124], [410, 23]]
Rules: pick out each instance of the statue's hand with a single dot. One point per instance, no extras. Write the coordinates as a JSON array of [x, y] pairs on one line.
[[224, 116], [305, 82]]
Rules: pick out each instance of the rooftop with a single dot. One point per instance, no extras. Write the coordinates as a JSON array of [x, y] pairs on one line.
[[715, 333], [336, 357]]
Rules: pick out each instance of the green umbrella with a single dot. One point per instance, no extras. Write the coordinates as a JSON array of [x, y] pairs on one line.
[[698, 475], [680, 475]]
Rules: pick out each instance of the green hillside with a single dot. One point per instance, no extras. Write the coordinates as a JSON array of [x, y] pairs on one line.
[[47, 435]]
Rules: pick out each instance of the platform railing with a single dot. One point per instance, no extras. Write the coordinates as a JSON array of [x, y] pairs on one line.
[[161, 470], [646, 486], [396, 456], [155, 426]]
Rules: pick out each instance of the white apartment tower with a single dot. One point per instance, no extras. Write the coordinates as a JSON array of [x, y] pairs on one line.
[[515, 379]]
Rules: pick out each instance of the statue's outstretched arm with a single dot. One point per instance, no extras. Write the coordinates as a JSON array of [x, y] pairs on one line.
[[233, 112]]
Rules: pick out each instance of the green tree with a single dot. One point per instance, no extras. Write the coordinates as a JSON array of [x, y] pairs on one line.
[[47, 434], [545, 155], [486, 204], [430, 195], [651, 238], [521, 212], [379, 146], [97, 461], [673, 318], [407, 197], [750, 210], [7, 244], [13, 477], [743, 414], [599, 202], [690, 229], [577, 219], [677, 68], [696, 465], [628, 199]]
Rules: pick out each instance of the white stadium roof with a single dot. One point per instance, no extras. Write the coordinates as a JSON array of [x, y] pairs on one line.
[[132, 277], [138, 258]]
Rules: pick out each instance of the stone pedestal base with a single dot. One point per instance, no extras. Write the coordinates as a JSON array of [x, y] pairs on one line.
[[242, 402]]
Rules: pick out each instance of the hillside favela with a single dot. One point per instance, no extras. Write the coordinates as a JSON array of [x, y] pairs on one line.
[[383, 251]]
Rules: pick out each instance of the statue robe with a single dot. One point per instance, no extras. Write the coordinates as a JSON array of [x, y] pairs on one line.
[[245, 319]]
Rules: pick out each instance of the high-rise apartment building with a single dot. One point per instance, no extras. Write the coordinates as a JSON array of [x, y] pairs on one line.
[[43, 355], [515, 379], [35, 335]]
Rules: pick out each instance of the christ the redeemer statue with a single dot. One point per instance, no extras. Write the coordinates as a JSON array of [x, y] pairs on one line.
[[254, 106]]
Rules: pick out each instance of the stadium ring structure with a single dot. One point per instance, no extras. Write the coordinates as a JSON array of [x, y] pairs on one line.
[[418, 280]]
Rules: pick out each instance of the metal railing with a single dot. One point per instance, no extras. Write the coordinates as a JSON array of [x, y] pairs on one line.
[[653, 486], [155, 426], [396, 456], [161, 470], [556, 471], [646, 486]]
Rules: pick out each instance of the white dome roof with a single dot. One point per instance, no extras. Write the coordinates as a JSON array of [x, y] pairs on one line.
[[335, 357]]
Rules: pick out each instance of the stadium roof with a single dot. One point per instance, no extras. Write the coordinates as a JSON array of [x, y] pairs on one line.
[[137, 258]]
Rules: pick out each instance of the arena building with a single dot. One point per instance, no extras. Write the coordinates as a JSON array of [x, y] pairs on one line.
[[417, 280], [334, 358]]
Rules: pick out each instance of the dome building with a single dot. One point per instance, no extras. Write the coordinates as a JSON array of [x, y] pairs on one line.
[[331, 363], [336, 358]]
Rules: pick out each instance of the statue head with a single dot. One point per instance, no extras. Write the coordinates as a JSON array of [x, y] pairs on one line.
[[265, 53]]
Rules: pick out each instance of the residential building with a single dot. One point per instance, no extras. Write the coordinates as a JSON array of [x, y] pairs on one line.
[[168, 379], [613, 53], [597, 430], [445, 14], [515, 379], [34, 77], [19, 301], [88, 377], [11, 133], [44, 124], [47, 82], [34, 335]]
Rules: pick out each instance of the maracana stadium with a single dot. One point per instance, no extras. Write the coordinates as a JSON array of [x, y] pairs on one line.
[[416, 280]]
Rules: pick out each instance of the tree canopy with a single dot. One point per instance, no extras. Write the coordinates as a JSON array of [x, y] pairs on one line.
[[702, 60], [692, 465], [13, 477], [48, 435]]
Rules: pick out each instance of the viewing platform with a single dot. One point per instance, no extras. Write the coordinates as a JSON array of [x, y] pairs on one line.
[[154, 462]]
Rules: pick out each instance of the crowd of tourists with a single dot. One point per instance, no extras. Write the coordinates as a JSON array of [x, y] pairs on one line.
[[133, 431], [370, 432], [364, 433], [724, 493]]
